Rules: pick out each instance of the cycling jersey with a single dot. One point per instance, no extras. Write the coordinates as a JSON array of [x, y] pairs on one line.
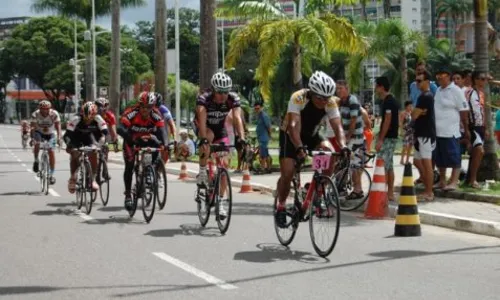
[[167, 116], [109, 117], [45, 125], [217, 113], [78, 133], [137, 126], [310, 116]]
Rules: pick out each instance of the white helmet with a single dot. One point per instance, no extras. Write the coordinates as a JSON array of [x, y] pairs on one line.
[[221, 81], [322, 84], [101, 101]]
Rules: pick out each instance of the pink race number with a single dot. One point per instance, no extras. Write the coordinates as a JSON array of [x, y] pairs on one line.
[[321, 162]]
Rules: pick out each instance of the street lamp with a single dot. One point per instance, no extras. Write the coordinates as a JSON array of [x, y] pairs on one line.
[[74, 62], [222, 42]]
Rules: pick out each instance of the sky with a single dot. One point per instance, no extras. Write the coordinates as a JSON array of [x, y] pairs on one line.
[[20, 8]]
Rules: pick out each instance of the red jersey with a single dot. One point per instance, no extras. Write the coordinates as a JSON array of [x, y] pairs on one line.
[[109, 117], [137, 126]]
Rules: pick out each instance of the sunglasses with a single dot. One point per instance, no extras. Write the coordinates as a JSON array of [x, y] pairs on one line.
[[222, 91], [146, 106], [481, 78], [322, 98]]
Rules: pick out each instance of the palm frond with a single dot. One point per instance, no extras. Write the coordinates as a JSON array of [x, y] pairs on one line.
[[260, 10], [241, 39], [355, 71]]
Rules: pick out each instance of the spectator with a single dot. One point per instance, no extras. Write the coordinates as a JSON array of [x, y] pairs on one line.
[[352, 123], [458, 80], [407, 132], [367, 131], [467, 76], [476, 126], [185, 147], [425, 135], [263, 132], [414, 91], [388, 135], [497, 126], [450, 109]]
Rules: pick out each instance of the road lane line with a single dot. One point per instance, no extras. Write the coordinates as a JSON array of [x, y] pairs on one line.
[[54, 193], [24, 165], [83, 215], [196, 272], [19, 160]]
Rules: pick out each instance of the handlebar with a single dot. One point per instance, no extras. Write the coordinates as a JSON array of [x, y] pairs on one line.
[[87, 148], [148, 149]]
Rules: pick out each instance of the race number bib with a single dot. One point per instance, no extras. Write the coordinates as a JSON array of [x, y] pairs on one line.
[[321, 162]]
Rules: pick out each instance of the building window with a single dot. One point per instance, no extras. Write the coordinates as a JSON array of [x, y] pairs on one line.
[[414, 22], [414, 9]]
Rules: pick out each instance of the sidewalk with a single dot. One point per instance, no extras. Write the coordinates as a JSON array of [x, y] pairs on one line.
[[470, 216]]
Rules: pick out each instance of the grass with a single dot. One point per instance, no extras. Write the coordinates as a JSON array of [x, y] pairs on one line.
[[234, 161], [493, 189]]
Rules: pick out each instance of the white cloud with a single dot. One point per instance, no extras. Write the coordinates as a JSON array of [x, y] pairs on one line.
[[128, 16]]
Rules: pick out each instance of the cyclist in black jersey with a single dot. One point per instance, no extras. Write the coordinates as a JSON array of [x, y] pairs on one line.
[[299, 130], [212, 108]]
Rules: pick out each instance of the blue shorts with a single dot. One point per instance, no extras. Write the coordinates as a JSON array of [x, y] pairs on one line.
[[263, 149], [447, 153]]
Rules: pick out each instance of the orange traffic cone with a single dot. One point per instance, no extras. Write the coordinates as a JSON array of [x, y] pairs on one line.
[[377, 203], [245, 184], [183, 175]]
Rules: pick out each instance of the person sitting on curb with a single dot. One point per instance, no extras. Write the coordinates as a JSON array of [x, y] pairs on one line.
[[185, 147]]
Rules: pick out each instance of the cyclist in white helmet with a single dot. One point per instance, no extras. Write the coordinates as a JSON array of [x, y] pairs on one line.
[[212, 108], [299, 130], [44, 122]]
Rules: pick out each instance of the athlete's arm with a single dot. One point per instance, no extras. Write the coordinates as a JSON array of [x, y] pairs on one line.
[[172, 128], [294, 128], [237, 117], [201, 113]]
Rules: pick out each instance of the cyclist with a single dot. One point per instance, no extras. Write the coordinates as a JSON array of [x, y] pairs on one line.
[[212, 108], [110, 119], [140, 125], [43, 122], [83, 130], [299, 130], [168, 120], [25, 128]]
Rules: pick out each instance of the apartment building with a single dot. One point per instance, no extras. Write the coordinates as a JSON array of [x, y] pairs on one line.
[[7, 25]]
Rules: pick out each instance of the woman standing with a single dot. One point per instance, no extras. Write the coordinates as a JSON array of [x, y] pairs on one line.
[[407, 132]]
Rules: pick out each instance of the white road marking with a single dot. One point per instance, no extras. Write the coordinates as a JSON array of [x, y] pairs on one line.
[[24, 165], [196, 272], [19, 160], [29, 170], [83, 215], [54, 193]]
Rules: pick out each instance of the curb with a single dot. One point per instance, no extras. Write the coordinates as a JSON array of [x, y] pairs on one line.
[[471, 225], [461, 196]]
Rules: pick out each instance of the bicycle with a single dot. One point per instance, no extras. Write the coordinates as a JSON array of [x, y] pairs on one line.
[[316, 199], [103, 177], [24, 140], [162, 178], [252, 154], [44, 170], [84, 178], [343, 178], [208, 197], [146, 181]]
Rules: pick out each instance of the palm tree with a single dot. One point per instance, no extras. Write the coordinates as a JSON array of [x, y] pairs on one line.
[[489, 165], [493, 10], [454, 9], [443, 55], [390, 41], [161, 49], [82, 10], [208, 42], [114, 82], [273, 31]]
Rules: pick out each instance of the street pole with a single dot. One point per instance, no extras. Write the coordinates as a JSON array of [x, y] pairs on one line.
[[94, 64], [115, 84], [75, 99], [223, 50], [177, 72]]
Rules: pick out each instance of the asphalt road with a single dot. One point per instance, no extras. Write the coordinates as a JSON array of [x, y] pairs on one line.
[[50, 251]]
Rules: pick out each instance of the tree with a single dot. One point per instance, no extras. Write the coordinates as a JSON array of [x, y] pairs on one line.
[[161, 49], [273, 31], [114, 83], [493, 10], [208, 42], [82, 10], [443, 55], [454, 9], [489, 165]]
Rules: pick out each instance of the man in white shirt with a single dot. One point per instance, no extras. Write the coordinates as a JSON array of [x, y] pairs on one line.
[[451, 109]]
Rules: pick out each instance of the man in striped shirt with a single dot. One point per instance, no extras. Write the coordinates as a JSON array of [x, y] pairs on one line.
[[352, 123]]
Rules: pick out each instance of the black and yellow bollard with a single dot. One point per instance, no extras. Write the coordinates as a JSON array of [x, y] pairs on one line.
[[407, 219]]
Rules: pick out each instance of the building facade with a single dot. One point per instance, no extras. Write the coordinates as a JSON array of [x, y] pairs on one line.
[[7, 25]]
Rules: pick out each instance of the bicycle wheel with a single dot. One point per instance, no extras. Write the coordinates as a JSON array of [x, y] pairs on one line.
[[88, 187], [345, 186], [162, 184], [79, 187], [103, 175], [47, 176], [287, 234], [136, 193], [326, 210], [223, 200], [150, 195], [203, 199]]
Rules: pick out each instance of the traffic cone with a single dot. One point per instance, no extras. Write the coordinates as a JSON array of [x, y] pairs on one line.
[[377, 203], [183, 175], [407, 218], [245, 184]]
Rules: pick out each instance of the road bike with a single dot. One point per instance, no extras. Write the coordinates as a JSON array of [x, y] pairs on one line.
[[218, 193], [24, 140], [103, 178], [316, 201], [44, 170], [343, 179], [85, 195], [146, 181], [162, 177]]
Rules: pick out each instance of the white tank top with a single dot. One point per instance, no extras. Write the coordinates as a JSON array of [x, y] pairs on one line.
[[45, 125]]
